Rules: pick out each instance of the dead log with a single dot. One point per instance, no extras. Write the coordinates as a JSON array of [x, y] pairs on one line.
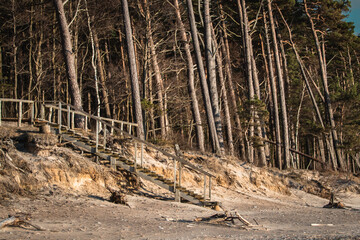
[[18, 221]]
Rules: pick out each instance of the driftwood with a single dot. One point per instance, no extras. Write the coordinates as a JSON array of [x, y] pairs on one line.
[[227, 219], [333, 204], [19, 221]]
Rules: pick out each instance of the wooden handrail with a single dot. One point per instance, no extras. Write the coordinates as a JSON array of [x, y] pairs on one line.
[[100, 119], [16, 100]]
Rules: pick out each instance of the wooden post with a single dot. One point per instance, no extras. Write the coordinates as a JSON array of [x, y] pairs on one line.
[[59, 117], [42, 111], [121, 128], [0, 111], [32, 116], [180, 173], [112, 127], [175, 178], [97, 136], [50, 113], [177, 192], [73, 120], [104, 140], [86, 123], [20, 114], [209, 188], [204, 186], [135, 161], [142, 155], [130, 129], [68, 117]]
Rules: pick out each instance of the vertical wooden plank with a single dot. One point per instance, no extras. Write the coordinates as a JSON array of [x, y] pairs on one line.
[[130, 129], [59, 117], [209, 188], [174, 175], [97, 136], [50, 114], [112, 127], [42, 111], [32, 116], [73, 120], [86, 123], [142, 154], [180, 173], [104, 131], [204, 186], [68, 117], [135, 156], [121, 128], [20, 114]]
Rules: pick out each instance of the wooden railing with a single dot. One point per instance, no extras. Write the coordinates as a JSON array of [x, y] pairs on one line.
[[19, 109], [54, 112], [48, 113]]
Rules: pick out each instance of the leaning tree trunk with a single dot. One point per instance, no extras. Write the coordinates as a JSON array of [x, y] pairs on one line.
[[158, 78], [312, 97], [69, 60], [211, 73], [204, 86], [227, 119], [281, 89], [191, 83], [102, 75], [278, 154], [133, 70], [322, 63], [249, 74], [226, 52]]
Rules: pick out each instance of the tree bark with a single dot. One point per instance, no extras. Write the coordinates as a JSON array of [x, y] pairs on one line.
[[158, 78], [226, 52], [249, 74], [281, 89], [204, 86], [133, 70], [223, 94], [102, 75], [69, 60], [278, 155], [210, 54], [191, 82], [328, 106]]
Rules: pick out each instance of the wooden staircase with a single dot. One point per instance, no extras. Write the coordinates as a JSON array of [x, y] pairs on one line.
[[120, 161], [61, 118]]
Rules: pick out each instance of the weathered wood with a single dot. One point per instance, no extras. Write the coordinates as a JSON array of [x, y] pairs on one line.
[[20, 114]]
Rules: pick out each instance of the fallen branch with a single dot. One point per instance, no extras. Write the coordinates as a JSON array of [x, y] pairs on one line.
[[17, 221], [10, 162]]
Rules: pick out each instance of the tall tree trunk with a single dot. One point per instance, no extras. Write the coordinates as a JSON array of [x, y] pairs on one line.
[[226, 52], [102, 75], [191, 81], [312, 97], [14, 48], [93, 62], [322, 63], [286, 142], [278, 154], [204, 86], [249, 74], [158, 78], [210, 54], [133, 70], [69, 59], [223, 93]]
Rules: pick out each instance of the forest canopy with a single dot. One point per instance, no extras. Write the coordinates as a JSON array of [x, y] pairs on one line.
[[275, 83]]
